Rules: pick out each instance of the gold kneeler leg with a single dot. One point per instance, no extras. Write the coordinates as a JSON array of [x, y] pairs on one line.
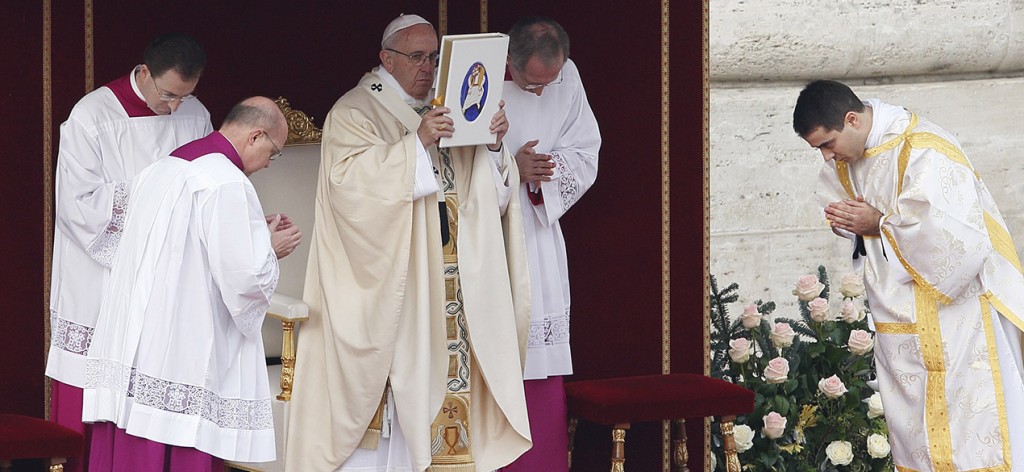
[[572, 438], [619, 447], [680, 456], [732, 461]]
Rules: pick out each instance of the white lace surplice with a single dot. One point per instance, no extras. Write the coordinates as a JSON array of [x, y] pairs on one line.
[[561, 119], [178, 356], [101, 150]]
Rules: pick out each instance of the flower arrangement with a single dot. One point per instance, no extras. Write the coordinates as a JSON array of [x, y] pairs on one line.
[[814, 409]]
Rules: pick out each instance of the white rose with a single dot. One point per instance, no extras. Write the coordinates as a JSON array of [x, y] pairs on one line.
[[860, 342], [850, 312], [744, 437], [808, 288], [774, 425], [851, 285], [819, 309], [782, 335], [714, 461], [751, 318], [875, 408], [832, 387], [840, 452], [878, 446], [740, 349], [777, 370]]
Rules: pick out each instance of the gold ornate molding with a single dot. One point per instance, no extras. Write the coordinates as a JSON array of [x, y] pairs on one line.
[[47, 188], [666, 233], [301, 129], [442, 17], [706, 153]]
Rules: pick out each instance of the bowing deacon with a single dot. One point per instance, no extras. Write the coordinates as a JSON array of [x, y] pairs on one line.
[[177, 373], [417, 285], [941, 273]]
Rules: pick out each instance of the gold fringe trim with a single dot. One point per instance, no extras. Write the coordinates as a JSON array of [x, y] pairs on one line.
[[371, 439], [470, 467]]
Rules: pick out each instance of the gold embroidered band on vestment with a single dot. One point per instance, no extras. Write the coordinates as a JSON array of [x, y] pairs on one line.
[[872, 152], [922, 283], [997, 378], [940, 443], [1001, 240], [450, 432]]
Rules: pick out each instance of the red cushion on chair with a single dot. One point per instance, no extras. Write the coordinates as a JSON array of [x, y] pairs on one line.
[[655, 398], [25, 437]]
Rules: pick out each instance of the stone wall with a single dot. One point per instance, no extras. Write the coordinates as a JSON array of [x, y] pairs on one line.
[[960, 64]]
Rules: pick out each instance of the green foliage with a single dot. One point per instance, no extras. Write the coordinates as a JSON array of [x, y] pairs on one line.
[[819, 350]]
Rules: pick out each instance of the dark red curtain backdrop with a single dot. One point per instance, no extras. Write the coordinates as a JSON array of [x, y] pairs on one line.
[[312, 52]]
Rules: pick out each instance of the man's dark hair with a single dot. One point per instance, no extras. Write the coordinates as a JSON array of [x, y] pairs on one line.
[[175, 51], [824, 103], [537, 36]]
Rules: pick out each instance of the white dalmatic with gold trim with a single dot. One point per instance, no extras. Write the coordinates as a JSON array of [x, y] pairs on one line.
[[946, 293]]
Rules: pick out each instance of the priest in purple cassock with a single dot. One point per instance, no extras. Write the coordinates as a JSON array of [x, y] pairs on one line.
[[177, 369], [112, 133]]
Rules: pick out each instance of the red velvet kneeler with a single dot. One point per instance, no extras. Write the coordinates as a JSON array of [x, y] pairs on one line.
[[25, 437], [620, 401]]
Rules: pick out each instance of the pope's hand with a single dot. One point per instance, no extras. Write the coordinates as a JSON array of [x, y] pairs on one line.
[[435, 125], [499, 126]]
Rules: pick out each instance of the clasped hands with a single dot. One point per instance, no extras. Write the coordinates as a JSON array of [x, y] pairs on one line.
[[284, 236], [855, 216], [436, 124]]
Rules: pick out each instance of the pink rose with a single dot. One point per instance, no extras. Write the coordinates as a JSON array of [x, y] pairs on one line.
[[808, 288], [860, 342], [774, 425], [850, 312], [832, 387], [739, 350], [782, 335], [751, 318], [819, 309], [777, 370]]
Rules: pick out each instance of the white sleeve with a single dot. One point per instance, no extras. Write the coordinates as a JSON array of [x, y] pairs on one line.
[[242, 262], [90, 210], [575, 156], [500, 162], [425, 183]]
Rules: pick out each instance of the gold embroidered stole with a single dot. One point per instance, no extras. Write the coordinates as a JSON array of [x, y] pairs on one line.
[[449, 433]]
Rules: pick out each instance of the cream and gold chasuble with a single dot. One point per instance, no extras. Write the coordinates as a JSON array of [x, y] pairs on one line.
[[946, 294], [377, 286]]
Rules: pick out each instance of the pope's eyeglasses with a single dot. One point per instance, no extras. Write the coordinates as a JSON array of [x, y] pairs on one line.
[[418, 58]]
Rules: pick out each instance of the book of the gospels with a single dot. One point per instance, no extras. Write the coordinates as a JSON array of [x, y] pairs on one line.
[[469, 82]]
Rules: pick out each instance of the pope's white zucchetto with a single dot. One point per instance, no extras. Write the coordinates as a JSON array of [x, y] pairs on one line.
[[398, 24]]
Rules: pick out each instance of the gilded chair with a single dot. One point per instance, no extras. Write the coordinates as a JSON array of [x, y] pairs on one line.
[[288, 187]]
